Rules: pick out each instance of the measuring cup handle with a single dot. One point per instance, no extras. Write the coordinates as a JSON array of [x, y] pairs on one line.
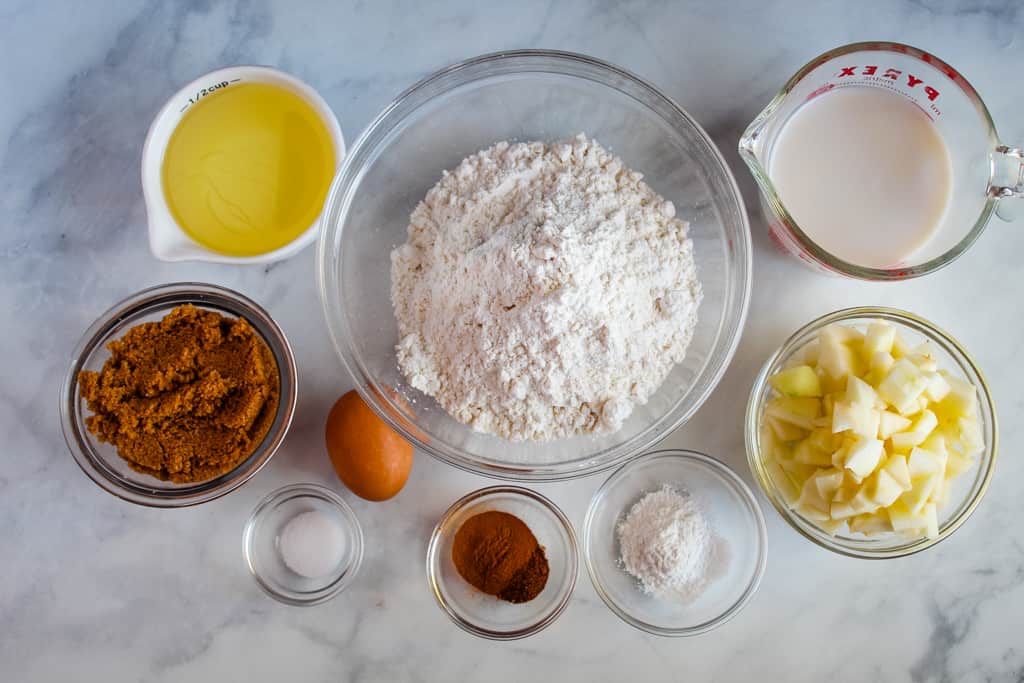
[[1008, 180]]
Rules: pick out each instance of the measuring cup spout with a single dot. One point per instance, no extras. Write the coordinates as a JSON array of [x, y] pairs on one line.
[[169, 243], [1008, 181]]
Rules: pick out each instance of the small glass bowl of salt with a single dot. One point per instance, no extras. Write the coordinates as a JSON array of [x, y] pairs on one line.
[[675, 543], [303, 544]]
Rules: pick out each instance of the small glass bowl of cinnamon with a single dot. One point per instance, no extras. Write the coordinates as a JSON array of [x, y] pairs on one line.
[[513, 611], [101, 461]]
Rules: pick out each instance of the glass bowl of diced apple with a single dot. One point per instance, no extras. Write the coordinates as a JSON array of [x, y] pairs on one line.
[[872, 432]]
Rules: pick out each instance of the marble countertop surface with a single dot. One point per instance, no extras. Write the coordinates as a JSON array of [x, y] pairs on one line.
[[97, 589]]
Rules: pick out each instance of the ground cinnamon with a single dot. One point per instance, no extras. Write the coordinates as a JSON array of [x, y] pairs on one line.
[[498, 554], [186, 398]]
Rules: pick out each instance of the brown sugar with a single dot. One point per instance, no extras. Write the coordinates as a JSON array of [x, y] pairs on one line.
[[184, 399], [498, 554]]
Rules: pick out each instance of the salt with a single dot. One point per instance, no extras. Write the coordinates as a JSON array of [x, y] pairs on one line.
[[312, 544]]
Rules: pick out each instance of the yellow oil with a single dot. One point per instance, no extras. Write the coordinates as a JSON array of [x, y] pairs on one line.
[[247, 169]]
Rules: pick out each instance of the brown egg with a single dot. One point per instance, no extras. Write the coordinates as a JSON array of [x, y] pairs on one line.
[[370, 458]]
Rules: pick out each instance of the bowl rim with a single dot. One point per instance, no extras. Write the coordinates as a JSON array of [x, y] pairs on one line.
[[728, 333], [166, 296], [725, 473], [351, 520], [932, 332], [433, 550]]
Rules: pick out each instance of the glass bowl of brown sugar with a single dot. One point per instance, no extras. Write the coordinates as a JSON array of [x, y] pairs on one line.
[[192, 418], [467, 562]]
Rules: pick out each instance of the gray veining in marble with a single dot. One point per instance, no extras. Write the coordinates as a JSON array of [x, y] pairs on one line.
[[96, 589]]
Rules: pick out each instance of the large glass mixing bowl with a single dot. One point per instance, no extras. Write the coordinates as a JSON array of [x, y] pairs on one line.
[[525, 95]]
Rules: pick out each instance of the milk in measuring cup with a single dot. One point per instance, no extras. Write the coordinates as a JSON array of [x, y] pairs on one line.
[[864, 173]]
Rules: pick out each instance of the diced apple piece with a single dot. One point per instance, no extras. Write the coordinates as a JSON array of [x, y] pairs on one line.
[[871, 524], [936, 443], [925, 363], [798, 381], [941, 494], [806, 453], [839, 457], [880, 365], [923, 462], [925, 424], [841, 334], [902, 518], [962, 400], [938, 388], [896, 466], [772, 447], [795, 411], [879, 338], [831, 385], [809, 353], [822, 439], [868, 427], [859, 392], [835, 357], [884, 489], [957, 464], [890, 423], [970, 434], [900, 347], [828, 403], [811, 504], [950, 433], [903, 386], [844, 416], [842, 511], [838, 361], [862, 502], [882, 360], [828, 482], [784, 431], [847, 490], [919, 430], [920, 492], [811, 513], [785, 486], [799, 471], [925, 349], [805, 407], [863, 457], [858, 418]]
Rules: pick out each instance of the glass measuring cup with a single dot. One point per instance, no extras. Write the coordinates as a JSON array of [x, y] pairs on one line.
[[985, 171]]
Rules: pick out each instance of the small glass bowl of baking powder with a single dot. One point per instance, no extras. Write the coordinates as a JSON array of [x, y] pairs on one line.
[[485, 615], [736, 524], [332, 545]]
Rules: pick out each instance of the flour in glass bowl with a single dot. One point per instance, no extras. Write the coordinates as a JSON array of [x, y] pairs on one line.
[[544, 291]]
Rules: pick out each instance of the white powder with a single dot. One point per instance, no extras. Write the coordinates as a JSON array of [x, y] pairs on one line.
[[544, 291], [312, 544], [667, 544]]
